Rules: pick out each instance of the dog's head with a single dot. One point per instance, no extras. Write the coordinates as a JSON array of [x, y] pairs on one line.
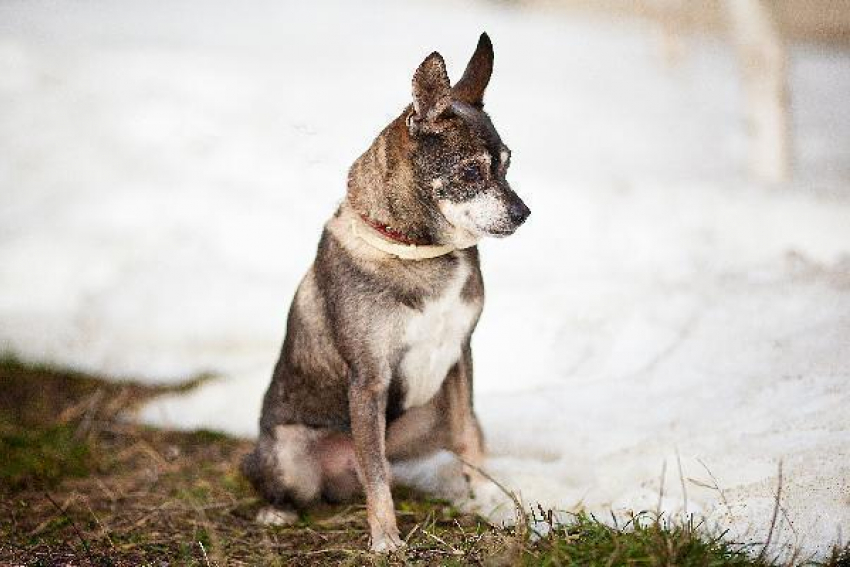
[[458, 154], [441, 164]]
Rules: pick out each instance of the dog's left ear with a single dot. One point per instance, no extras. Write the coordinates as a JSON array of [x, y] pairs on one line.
[[431, 90], [470, 88]]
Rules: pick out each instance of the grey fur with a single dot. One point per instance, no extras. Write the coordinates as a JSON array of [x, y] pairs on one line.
[[352, 388]]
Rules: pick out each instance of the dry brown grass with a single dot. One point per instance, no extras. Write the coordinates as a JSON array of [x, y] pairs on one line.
[[83, 486]]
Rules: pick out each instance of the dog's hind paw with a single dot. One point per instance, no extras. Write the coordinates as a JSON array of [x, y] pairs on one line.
[[386, 543], [484, 498], [271, 516]]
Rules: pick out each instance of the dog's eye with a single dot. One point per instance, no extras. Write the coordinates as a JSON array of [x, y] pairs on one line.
[[471, 174]]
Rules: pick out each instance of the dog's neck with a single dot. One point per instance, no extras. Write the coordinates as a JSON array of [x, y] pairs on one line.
[[383, 188], [392, 234], [389, 241]]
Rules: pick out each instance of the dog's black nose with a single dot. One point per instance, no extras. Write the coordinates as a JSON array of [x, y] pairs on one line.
[[518, 212]]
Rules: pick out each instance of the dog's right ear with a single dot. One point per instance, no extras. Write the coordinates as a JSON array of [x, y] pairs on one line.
[[470, 88], [431, 90]]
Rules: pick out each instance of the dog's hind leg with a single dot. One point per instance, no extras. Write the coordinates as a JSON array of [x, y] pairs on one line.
[[285, 469], [295, 465], [416, 433], [335, 452]]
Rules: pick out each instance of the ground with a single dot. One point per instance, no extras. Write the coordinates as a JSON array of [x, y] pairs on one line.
[[82, 486]]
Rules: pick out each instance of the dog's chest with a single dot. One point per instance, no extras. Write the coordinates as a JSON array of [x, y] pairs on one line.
[[434, 338]]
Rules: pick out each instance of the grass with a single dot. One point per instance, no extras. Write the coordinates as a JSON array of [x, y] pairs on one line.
[[81, 485]]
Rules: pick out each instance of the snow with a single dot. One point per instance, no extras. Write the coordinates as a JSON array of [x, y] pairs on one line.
[[165, 169]]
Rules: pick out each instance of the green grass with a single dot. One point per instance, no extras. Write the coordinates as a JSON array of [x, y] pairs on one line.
[[80, 486], [42, 457], [644, 541]]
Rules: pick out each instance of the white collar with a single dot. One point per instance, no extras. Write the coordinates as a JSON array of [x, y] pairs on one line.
[[403, 251]]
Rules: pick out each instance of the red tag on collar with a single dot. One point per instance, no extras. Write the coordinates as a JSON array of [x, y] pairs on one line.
[[390, 233]]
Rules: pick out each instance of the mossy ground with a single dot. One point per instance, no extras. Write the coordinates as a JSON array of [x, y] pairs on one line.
[[79, 485]]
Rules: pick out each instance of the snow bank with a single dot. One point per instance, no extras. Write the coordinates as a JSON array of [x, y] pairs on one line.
[[165, 169]]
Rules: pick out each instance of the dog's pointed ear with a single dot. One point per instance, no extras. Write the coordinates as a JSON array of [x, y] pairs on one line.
[[470, 88], [431, 88]]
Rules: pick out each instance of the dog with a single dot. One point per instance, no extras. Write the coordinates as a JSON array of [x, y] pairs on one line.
[[376, 365]]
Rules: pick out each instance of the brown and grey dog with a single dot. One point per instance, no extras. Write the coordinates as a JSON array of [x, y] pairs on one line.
[[376, 365]]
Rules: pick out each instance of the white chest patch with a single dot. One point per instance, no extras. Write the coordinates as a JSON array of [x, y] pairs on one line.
[[434, 338]]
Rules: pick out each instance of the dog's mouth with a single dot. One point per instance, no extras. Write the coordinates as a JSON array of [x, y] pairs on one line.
[[501, 232]]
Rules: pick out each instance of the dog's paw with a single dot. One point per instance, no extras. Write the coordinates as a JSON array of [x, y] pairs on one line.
[[271, 516], [386, 543], [484, 498]]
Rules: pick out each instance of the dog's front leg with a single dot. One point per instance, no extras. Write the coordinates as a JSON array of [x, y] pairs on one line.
[[465, 437], [367, 398]]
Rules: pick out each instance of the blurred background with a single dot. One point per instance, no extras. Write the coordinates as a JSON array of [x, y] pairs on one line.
[[681, 291]]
